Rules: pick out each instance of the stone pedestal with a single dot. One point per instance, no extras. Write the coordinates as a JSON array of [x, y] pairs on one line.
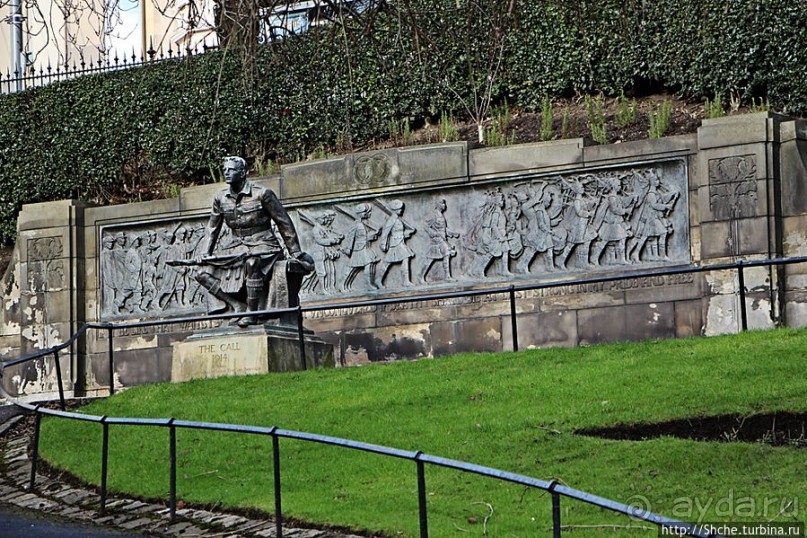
[[229, 351]]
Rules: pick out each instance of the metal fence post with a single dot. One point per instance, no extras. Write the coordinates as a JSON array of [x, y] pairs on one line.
[[59, 381], [276, 464], [555, 510], [111, 362], [172, 449], [301, 336], [741, 284], [104, 463], [424, 517], [555, 515], [35, 454], [513, 321]]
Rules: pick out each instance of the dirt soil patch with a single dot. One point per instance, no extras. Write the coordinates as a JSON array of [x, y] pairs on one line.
[[784, 428], [141, 180], [525, 126]]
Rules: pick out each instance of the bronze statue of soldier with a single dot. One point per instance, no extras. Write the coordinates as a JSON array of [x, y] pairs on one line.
[[238, 275]]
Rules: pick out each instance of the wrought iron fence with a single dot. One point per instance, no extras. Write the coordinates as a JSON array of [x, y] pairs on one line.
[[554, 488], [34, 77], [275, 21]]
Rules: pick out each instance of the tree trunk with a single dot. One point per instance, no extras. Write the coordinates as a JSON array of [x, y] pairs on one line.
[[237, 23]]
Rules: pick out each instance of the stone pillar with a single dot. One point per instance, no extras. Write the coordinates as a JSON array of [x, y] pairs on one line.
[[50, 305], [740, 215], [793, 170]]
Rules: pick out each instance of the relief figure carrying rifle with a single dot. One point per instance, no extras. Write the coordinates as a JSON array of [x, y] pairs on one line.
[[393, 240], [325, 253], [357, 247]]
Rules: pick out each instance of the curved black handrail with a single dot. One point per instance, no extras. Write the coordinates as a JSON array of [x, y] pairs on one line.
[[418, 457], [555, 489]]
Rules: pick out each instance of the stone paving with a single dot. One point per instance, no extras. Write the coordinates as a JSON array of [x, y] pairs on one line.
[[54, 497]]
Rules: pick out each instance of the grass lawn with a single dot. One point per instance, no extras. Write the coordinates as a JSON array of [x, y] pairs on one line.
[[501, 410]]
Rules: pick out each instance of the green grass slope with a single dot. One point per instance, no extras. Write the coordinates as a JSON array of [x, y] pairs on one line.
[[512, 411]]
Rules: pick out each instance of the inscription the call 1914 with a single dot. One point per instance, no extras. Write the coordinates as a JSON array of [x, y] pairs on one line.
[[604, 220]]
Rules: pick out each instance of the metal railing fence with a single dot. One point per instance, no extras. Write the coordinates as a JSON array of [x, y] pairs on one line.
[[420, 459], [34, 77], [555, 489]]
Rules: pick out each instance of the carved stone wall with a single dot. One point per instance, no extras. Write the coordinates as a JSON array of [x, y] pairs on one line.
[[438, 218], [534, 227], [537, 226], [135, 278]]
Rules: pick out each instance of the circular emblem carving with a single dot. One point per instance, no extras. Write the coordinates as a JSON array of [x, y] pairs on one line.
[[371, 168]]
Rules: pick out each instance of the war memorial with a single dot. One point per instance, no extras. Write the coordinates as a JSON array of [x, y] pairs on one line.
[[412, 221]]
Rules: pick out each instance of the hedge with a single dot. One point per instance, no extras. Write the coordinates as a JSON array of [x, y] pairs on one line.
[[173, 120]]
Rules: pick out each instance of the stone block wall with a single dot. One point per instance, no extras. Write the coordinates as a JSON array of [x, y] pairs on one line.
[[792, 169], [438, 218]]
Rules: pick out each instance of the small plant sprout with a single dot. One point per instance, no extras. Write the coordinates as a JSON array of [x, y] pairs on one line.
[[448, 128], [714, 109], [596, 120], [547, 116], [734, 102], [660, 119], [394, 128], [406, 132], [266, 167], [498, 134], [763, 106], [626, 113]]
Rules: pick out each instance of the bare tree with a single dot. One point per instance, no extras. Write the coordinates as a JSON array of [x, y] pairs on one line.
[[477, 31], [237, 23]]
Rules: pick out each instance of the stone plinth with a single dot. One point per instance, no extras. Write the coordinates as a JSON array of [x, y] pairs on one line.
[[234, 352]]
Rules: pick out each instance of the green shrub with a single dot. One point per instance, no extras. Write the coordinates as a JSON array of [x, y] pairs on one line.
[[172, 121]]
